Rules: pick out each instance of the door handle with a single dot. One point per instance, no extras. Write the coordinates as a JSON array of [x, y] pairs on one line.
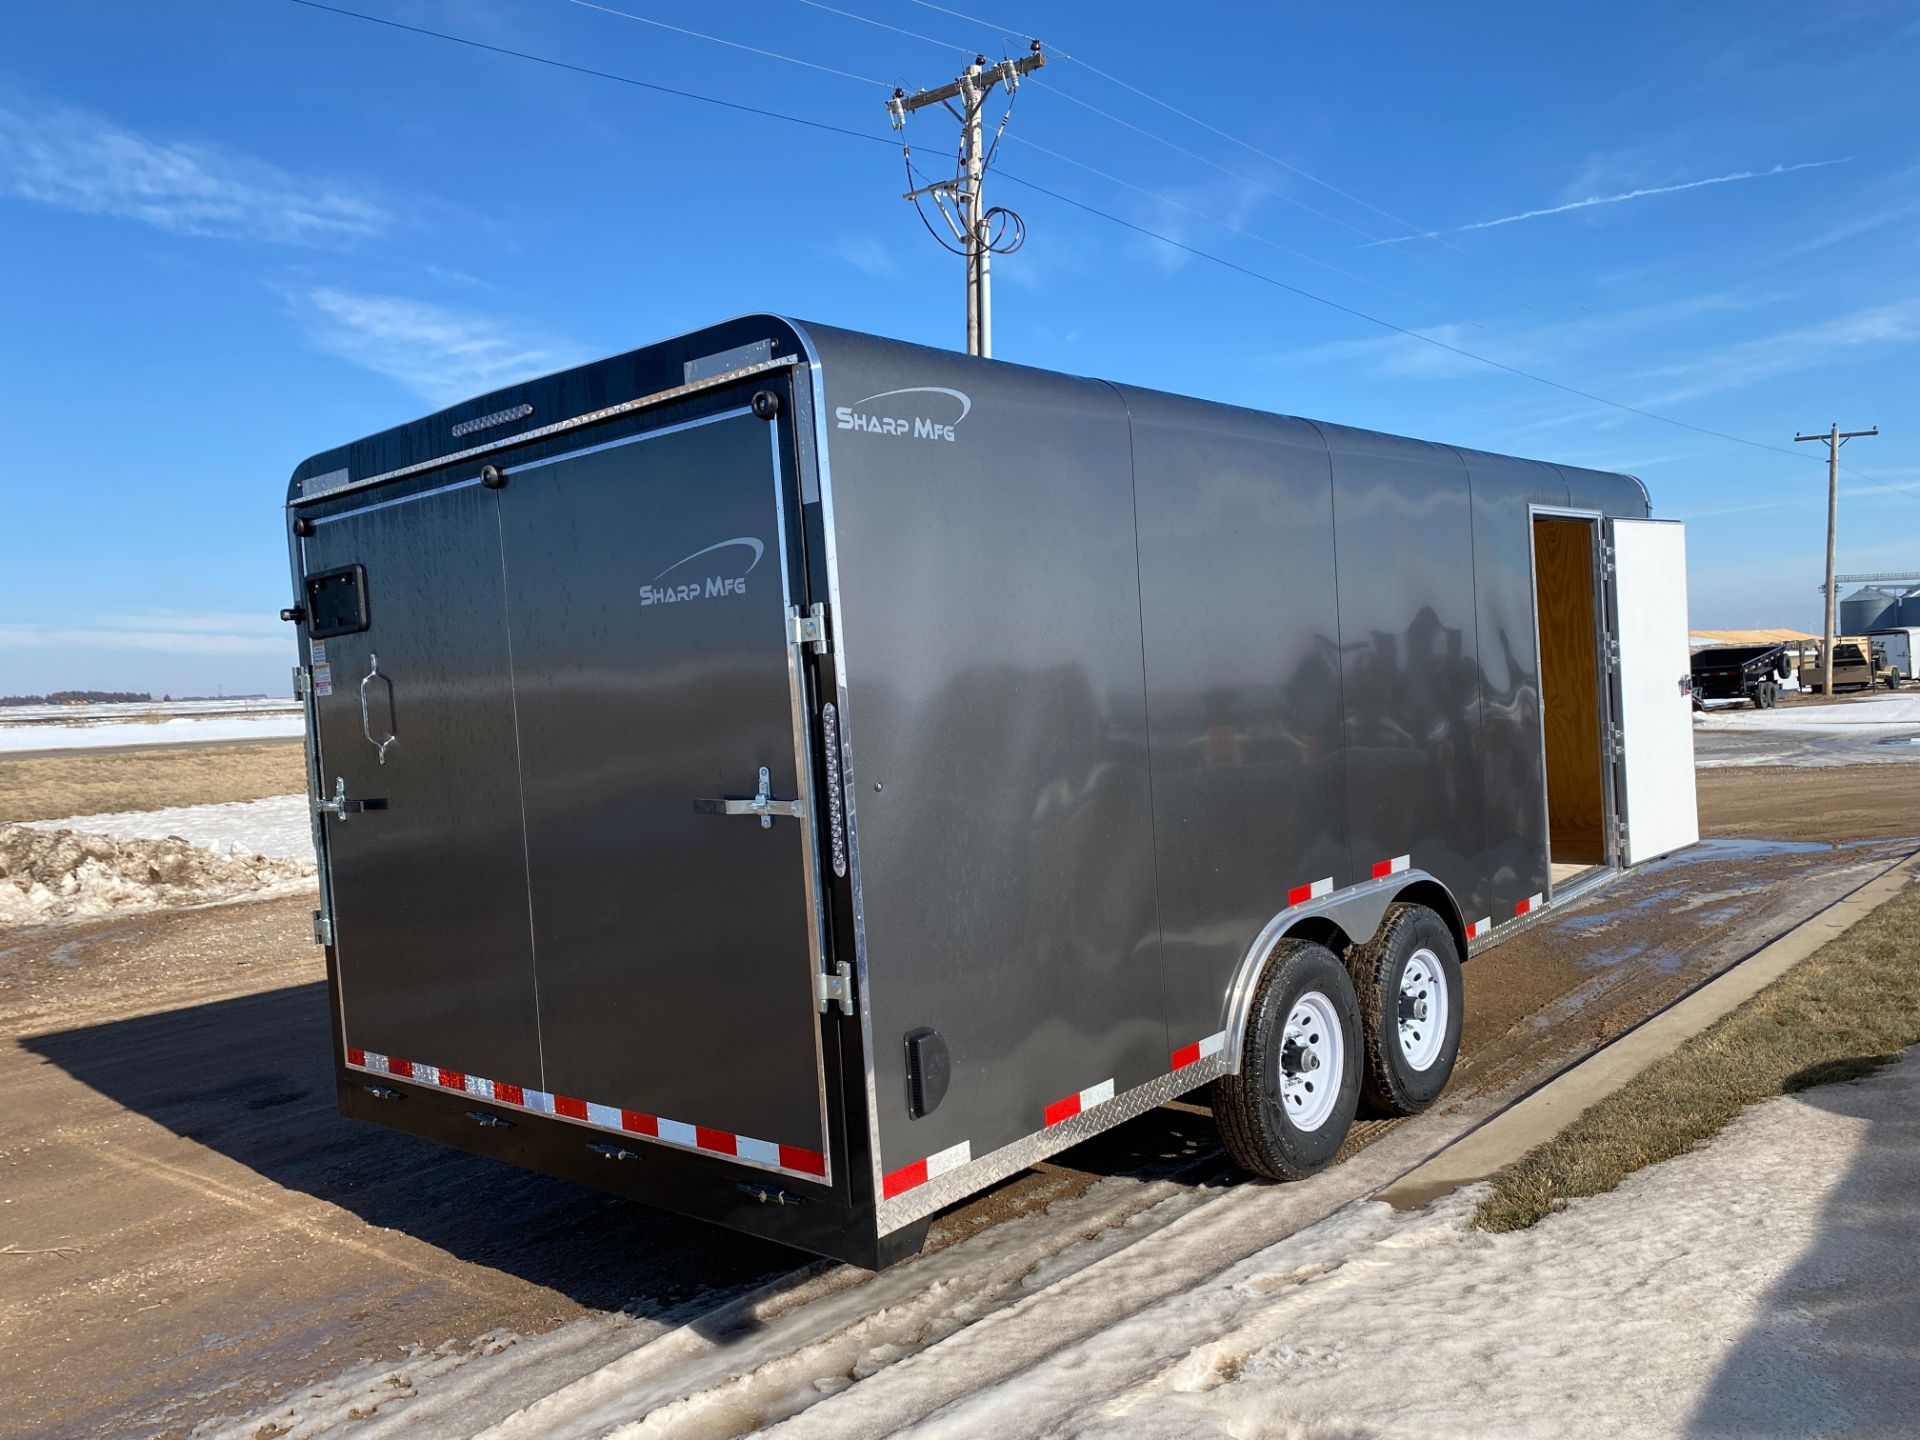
[[340, 807], [762, 804], [366, 717]]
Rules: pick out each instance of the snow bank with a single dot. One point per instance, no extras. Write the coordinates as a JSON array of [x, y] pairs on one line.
[[280, 826], [57, 874], [18, 734]]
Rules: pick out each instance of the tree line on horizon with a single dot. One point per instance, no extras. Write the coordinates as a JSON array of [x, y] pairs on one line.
[[79, 697]]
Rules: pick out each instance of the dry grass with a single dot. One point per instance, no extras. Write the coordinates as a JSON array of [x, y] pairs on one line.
[[1839, 1015], [79, 782]]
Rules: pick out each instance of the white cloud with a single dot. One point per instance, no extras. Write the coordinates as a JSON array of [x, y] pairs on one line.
[[1638, 193], [443, 355], [169, 632], [77, 160], [1788, 352], [865, 254]]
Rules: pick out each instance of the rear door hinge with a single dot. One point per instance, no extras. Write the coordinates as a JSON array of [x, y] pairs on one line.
[[322, 928], [809, 628], [834, 987], [300, 682], [1613, 653]]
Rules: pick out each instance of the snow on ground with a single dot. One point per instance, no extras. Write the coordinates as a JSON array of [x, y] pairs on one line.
[[75, 734], [1892, 710], [280, 826], [1873, 729], [50, 873], [1764, 1285], [88, 865]]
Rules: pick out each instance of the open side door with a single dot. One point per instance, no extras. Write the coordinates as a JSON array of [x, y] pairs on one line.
[[1647, 604]]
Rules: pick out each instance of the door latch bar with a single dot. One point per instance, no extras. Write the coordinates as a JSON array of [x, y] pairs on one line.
[[340, 807], [762, 804]]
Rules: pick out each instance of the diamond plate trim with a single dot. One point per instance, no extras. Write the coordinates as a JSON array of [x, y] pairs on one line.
[[944, 1190]]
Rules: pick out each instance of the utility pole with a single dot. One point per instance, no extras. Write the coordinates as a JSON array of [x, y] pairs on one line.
[[978, 230], [1835, 439]]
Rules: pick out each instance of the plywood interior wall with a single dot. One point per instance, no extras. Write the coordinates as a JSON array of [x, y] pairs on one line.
[[1569, 690]]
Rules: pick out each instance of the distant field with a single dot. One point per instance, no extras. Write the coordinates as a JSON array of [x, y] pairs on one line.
[[79, 782]]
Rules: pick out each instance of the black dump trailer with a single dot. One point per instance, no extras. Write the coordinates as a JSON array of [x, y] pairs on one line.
[[1741, 672], [798, 779]]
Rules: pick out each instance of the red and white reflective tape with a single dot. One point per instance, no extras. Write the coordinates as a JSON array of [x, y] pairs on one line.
[[1200, 1049], [788, 1159], [909, 1177], [1531, 903], [1383, 868], [1479, 928], [1085, 1100], [1300, 894]]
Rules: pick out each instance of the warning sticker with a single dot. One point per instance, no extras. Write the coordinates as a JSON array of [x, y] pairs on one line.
[[319, 648], [323, 679]]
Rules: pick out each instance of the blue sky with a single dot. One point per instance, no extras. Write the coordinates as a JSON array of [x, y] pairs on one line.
[[232, 234]]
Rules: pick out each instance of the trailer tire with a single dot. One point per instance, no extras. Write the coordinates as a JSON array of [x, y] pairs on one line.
[[1275, 1117], [1406, 973]]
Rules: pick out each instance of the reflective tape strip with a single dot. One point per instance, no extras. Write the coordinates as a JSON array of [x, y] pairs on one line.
[[1479, 928], [898, 1182], [1300, 894], [794, 1159], [1074, 1104], [1200, 1049], [1531, 903], [1382, 868]]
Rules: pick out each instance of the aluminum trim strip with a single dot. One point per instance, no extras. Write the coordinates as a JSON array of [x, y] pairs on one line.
[[799, 717], [848, 786], [561, 427]]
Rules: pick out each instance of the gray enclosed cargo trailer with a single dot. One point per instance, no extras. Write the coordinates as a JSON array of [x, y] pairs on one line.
[[799, 779]]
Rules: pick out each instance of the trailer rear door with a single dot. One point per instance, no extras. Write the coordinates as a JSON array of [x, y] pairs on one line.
[[647, 588], [414, 715], [1648, 605]]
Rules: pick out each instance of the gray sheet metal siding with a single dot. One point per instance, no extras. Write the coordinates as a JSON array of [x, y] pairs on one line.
[[1243, 680], [1403, 531], [990, 631], [1605, 491], [1513, 778]]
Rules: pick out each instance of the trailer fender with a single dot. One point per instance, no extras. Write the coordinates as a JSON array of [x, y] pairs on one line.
[[1337, 920]]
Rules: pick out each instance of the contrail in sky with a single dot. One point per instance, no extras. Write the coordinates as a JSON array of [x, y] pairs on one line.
[[1616, 199]]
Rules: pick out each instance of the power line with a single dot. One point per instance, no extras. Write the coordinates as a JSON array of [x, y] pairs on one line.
[[1068, 159], [730, 44], [1216, 220], [1159, 139], [883, 25], [1080, 205], [1388, 324], [1420, 231], [596, 74]]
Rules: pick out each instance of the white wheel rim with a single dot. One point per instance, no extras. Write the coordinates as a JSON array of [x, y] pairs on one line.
[[1423, 1007], [1313, 1060]]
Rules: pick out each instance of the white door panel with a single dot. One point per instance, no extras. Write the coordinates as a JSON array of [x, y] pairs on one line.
[[1656, 707]]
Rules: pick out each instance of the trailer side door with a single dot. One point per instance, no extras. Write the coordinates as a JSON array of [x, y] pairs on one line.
[[1648, 609]]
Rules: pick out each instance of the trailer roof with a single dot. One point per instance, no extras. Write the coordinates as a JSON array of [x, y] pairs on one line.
[[515, 413]]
